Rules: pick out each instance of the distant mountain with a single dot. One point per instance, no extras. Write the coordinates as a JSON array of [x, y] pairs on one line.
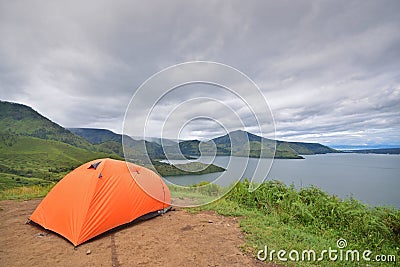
[[162, 141], [375, 151], [19, 119], [246, 143], [306, 148], [109, 141], [96, 136]]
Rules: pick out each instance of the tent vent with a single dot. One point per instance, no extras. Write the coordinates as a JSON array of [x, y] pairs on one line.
[[94, 165]]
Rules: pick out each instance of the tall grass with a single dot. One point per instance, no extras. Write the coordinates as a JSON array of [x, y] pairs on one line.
[[285, 218], [25, 192], [201, 193]]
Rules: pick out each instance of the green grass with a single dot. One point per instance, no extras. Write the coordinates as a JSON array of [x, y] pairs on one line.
[[199, 194], [8, 181], [285, 218], [25, 192]]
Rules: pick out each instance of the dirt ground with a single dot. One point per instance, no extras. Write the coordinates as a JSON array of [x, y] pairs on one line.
[[178, 238]]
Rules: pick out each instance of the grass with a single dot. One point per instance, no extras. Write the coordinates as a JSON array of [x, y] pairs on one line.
[[198, 194], [8, 181], [282, 217], [25, 192]]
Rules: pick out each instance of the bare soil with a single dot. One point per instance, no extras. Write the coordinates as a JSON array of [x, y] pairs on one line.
[[178, 238]]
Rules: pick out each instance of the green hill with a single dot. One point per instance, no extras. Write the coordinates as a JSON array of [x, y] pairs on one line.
[[27, 160], [19, 119]]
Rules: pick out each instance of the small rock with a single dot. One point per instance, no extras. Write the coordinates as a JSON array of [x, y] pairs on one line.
[[228, 224], [209, 221], [187, 228], [88, 252], [41, 234]]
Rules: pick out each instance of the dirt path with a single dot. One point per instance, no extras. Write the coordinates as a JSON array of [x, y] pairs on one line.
[[177, 238]]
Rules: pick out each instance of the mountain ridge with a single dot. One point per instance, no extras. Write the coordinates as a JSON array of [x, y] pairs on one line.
[[190, 148], [248, 144]]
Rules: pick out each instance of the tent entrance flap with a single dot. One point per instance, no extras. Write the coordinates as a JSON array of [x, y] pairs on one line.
[[94, 165]]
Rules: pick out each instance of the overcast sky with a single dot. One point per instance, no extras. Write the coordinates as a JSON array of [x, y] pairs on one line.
[[330, 70]]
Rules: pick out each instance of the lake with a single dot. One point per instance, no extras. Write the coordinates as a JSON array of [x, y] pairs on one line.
[[371, 178]]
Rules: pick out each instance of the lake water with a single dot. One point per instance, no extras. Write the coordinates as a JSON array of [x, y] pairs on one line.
[[373, 179]]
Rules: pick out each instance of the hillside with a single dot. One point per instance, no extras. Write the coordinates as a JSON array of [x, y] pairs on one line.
[[19, 119], [27, 160]]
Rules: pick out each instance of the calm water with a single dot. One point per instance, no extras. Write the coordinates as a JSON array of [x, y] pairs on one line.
[[373, 179]]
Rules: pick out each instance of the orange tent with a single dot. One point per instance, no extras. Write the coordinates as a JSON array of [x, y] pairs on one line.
[[99, 196]]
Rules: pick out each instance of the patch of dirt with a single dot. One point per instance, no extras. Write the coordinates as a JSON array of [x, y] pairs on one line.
[[178, 238]]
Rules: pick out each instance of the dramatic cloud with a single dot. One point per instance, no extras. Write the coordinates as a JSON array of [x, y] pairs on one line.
[[330, 70]]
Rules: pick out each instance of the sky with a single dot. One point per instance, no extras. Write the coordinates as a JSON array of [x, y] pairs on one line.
[[329, 70]]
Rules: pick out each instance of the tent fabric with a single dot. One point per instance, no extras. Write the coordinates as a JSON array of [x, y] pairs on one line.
[[89, 201]]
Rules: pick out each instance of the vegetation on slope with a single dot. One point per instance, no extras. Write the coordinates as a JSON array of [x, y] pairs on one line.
[[29, 160]]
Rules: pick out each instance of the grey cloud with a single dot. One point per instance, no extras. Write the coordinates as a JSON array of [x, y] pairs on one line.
[[329, 69]]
